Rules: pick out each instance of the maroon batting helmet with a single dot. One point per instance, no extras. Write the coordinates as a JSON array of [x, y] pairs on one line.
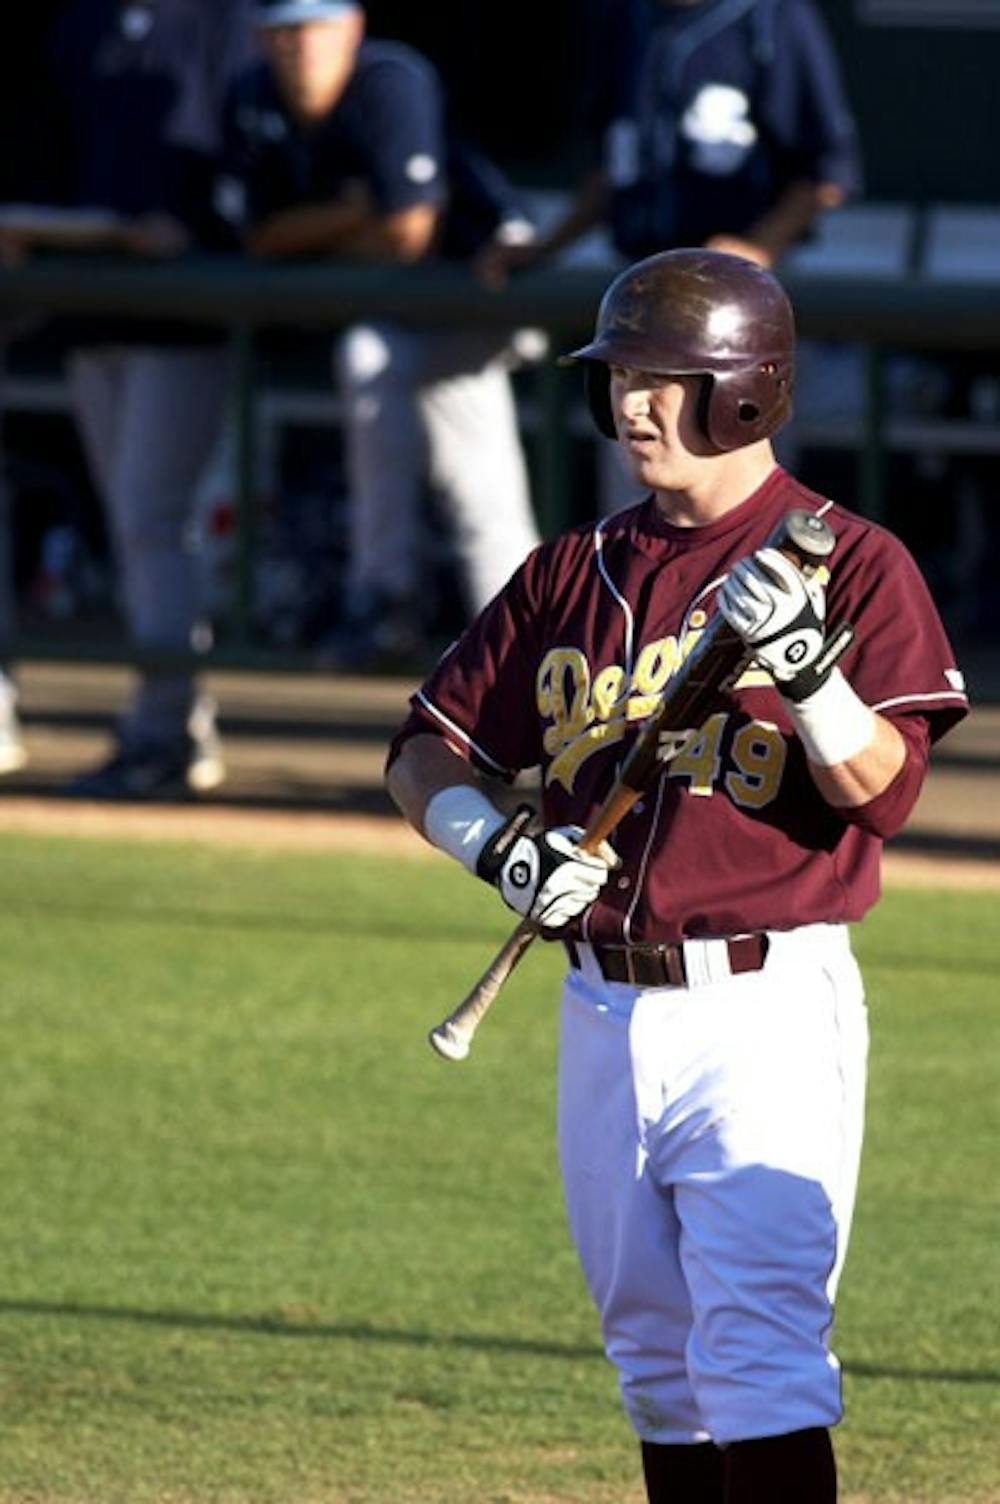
[[699, 313]]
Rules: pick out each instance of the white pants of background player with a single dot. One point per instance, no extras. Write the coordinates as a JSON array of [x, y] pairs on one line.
[[8, 614], [12, 750], [148, 418], [710, 1139], [432, 405]]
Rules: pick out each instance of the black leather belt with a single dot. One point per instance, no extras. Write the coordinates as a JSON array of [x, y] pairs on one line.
[[664, 965]]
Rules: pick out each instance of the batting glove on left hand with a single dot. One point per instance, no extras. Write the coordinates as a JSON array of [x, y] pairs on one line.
[[777, 611], [544, 876]]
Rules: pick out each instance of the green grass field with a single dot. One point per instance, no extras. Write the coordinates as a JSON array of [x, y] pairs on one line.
[[258, 1244]]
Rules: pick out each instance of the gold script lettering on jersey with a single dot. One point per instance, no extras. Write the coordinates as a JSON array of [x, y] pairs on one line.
[[587, 712]]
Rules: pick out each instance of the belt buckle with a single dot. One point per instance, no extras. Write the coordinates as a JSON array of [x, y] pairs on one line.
[[674, 966]]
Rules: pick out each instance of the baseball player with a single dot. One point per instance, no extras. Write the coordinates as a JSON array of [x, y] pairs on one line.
[[134, 109], [716, 122], [713, 1045], [340, 146]]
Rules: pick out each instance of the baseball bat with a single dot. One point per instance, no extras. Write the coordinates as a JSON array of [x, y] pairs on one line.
[[717, 660]]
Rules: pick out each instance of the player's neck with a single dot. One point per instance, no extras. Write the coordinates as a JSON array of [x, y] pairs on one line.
[[722, 484]]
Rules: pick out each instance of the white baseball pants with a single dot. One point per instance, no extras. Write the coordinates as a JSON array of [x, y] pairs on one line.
[[432, 405], [710, 1138]]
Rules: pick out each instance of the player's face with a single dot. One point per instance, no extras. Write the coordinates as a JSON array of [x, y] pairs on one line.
[[656, 418], [313, 62]]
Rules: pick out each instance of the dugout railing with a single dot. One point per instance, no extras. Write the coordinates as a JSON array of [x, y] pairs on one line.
[[910, 312]]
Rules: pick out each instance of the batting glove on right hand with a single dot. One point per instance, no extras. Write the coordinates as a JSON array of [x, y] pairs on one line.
[[777, 611], [544, 876]]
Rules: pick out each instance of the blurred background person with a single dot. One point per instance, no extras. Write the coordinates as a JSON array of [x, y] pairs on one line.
[[135, 97], [13, 751], [22, 86], [721, 123], [717, 122], [339, 146]]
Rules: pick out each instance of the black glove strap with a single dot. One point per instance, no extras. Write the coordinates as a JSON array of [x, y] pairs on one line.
[[806, 620], [810, 679], [498, 847]]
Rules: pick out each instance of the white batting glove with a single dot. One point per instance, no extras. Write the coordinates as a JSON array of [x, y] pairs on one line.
[[777, 611], [544, 876]]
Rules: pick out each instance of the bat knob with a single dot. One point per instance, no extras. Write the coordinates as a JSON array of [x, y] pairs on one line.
[[448, 1042], [808, 534]]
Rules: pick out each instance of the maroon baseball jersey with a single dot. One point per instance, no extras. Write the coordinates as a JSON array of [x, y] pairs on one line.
[[573, 655]]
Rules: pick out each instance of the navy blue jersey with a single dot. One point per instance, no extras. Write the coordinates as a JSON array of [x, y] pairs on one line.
[[711, 112], [388, 130], [139, 87]]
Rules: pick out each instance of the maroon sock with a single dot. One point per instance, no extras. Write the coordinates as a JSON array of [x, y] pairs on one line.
[[794, 1469], [683, 1474]]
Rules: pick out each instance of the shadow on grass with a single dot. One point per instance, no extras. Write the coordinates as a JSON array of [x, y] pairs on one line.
[[948, 845], [280, 1326], [920, 1375], [291, 796]]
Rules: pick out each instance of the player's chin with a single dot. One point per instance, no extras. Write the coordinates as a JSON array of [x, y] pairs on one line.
[[638, 456], [650, 469]]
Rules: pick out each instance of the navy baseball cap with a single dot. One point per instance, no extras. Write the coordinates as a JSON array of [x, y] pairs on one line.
[[295, 12]]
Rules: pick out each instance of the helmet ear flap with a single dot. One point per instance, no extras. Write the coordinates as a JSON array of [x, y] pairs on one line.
[[597, 389], [749, 405]]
